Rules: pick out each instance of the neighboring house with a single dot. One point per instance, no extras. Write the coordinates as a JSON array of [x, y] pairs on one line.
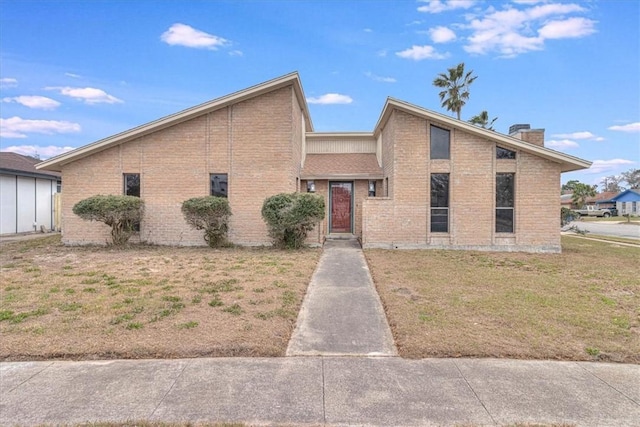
[[26, 195], [602, 200], [566, 201], [628, 202], [419, 179]]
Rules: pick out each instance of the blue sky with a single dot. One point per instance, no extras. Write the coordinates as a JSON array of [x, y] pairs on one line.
[[73, 72]]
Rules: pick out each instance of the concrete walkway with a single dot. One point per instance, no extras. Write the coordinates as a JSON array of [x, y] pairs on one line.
[[382, 391], [342, 313]]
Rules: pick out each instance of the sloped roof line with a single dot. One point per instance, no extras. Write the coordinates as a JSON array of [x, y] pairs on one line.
[[293, 78], [569, 163]]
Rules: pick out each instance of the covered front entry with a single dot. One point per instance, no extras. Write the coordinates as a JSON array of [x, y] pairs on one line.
[[341, 202]]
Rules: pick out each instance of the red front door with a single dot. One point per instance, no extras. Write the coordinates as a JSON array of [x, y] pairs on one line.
[[340, 193]]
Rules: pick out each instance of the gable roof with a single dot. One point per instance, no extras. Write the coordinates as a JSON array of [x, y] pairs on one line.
[[17, 164], [55, 163], [628, 196], [568, 163]]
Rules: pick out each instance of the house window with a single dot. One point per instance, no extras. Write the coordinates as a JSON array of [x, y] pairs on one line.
[[504, 202], [439, 202], [440, 143], [503, 153], [219, 185], [132, 184]]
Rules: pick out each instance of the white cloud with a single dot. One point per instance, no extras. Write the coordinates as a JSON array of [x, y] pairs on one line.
[[568, 28], [17, 127], [184, 35], [43, 152], [368, 30], [382, 53], [631, 127], [36, 102], [418, 53], [377, 78], [75, 76], [89, 95], [512, 31], [7, 82], [437, 6], [562, 144], [442, 35], [330, 98], [602, 166], [236, 53], [579, 135]]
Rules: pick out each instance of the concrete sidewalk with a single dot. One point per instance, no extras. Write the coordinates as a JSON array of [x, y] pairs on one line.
[[384, 391], [342, 313]]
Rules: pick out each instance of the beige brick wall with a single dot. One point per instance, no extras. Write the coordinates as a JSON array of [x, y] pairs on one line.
[[403, 219], [250, 141]]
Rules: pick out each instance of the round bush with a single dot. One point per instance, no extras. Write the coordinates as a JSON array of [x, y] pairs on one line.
[[121, 213], [210, 214]]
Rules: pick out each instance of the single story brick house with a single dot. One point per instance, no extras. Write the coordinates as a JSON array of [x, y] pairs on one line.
[[419, 179]]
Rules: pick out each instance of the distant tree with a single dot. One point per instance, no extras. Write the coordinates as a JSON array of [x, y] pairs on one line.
[[482, 120], [632, 178], [455, 84], [581, 192], [569, 186], [611, 183]]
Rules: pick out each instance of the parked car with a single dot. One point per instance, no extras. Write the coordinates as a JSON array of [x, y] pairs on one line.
[[594, 211]]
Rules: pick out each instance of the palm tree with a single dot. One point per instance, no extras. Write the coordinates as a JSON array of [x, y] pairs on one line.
[[456, 88], [482, 120]]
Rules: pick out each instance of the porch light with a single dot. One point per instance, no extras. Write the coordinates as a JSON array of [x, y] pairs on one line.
[[311, 187], [372, 188]]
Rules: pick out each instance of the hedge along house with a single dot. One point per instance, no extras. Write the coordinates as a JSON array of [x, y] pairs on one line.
[[419, 180]]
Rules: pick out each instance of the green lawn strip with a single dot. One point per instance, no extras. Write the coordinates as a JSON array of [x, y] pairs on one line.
[[613, 239]]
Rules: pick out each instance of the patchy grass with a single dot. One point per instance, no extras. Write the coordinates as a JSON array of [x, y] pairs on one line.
[[147, 302], [583, 304], [608, 238]]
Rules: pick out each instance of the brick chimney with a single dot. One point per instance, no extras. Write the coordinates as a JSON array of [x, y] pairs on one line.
[[526, 134]]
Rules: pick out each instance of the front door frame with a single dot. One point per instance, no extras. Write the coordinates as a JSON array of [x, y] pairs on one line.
[[352, 213]]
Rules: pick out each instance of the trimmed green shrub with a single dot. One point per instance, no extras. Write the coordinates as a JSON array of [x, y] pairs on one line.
[[290, 217], [210, 214], [121, 213]]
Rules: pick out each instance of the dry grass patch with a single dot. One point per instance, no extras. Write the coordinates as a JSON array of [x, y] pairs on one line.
[[583, 304], [148, 302]]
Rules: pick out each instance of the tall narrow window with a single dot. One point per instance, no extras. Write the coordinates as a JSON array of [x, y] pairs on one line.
[[219, 185], [503, 153], [440, 143], [504, 202], [439, 202], [132, 184], [132, 188]]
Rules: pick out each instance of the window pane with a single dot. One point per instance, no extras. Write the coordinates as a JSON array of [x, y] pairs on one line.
[[219, 185], [132, 184], [503, 153], [504, 220], [439, 220], [504, 190], [439, 143], [440, 190]]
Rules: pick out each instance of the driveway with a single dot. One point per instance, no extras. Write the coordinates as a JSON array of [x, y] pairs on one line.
[[630, 231]]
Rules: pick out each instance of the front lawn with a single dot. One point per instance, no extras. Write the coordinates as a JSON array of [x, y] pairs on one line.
[[583, 304], [148, 302]]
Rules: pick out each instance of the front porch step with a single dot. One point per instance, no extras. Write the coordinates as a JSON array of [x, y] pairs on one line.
[[341, 236]]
